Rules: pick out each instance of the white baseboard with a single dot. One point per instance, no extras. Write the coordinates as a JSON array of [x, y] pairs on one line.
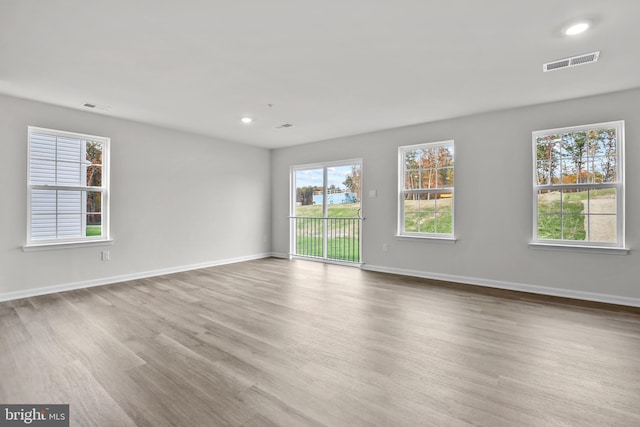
[[7, 296], [280, 255], [521, 287], [559, 292]]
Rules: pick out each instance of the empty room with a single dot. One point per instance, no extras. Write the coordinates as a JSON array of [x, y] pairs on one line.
[[330, 213]]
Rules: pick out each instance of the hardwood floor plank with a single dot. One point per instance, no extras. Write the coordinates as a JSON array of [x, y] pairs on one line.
[[273, 342], [277, 412], [185, 405]]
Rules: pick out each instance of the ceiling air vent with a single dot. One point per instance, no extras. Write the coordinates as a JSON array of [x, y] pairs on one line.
[[574, 61], [96, 106], [286, 125]]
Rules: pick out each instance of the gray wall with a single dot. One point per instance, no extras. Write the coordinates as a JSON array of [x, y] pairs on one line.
[[493, 230], [180, 200], [177, 199]]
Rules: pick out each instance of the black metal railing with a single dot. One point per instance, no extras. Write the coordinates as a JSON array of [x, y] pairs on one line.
[[328, 238]]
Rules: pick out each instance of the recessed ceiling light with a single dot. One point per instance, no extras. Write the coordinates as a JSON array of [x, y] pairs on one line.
[[246, 120], [577, 28]]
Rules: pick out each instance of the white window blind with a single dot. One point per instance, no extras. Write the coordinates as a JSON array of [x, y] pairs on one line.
[[67, 186]]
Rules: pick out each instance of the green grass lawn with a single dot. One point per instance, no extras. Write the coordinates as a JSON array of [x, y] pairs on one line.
[[338, 248], [424, 222], [344, 240], [94, 230], [346, 210], [428, 216], [566, 226], [564, 220]]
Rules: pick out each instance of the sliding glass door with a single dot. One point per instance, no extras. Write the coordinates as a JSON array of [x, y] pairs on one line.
[[325, 217]]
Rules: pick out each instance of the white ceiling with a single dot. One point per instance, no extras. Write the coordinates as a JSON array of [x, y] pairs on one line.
[[331, 67]]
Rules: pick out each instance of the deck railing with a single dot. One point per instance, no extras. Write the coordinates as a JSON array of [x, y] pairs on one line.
[[327, 238]]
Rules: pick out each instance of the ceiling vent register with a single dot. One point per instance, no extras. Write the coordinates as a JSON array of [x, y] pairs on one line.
[[574, 61]]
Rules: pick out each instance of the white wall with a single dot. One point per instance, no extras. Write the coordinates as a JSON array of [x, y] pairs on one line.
[[493, 231], [177, 200]]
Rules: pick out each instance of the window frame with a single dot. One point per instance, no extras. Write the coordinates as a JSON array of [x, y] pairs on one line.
[[619, 185], [104, 189], [401, 233], [293, 185]]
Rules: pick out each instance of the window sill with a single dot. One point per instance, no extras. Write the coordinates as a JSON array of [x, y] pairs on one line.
[[435, 239], [575, 248], [66, 245]]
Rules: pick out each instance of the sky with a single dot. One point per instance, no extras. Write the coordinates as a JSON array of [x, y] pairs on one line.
[[335, 175]]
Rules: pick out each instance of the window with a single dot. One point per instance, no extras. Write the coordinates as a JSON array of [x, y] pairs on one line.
[[578, 188], [426, 190], [68, 187]]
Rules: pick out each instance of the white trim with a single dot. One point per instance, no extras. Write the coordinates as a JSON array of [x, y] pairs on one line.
[[280, 255], [66, 245], [347, 162], [423, 144], [67, 187], [324, 260], [7, 296], [511, 286], [104, 189], [325, 210], [619, 185], [65, 133], [400, 226], [325, 205], [607, 250], [428, 237], [577, 128]]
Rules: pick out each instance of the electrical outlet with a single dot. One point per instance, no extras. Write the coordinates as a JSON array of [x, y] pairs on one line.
[[385, 247], [105, 255]]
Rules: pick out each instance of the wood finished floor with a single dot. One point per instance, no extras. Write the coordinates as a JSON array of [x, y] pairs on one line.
[[293, 343]]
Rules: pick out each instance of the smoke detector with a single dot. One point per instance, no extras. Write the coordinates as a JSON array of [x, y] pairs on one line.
[[574, 61]]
